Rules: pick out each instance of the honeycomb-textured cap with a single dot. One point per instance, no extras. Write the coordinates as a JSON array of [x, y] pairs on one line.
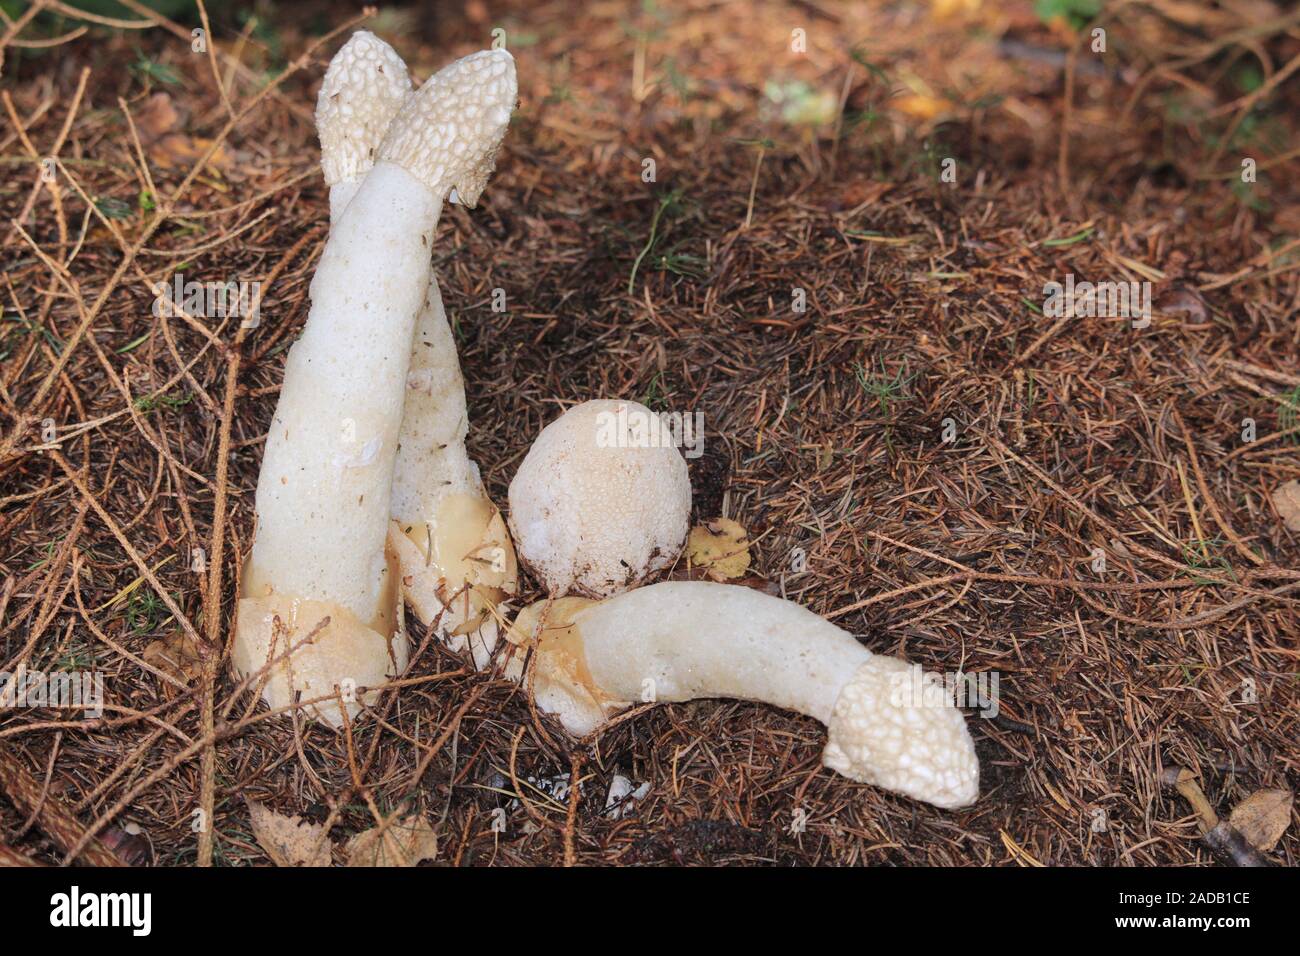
[[896, 728], [364, 87], [447, 133]]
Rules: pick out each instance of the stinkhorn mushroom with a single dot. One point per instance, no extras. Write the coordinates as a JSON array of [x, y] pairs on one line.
[[454, 555], [319, 592], [601, 501], [888, 724]]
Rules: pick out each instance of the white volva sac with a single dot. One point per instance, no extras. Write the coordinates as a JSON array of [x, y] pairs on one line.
[[681, 640], [455, 560], [320, 580], [600, 502]]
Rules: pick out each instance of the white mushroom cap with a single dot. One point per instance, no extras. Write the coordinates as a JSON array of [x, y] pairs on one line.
[[601, 501], [883, 732], [457, 121], [363, 89]]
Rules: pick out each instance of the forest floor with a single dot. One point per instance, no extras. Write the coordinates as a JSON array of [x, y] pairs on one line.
[[838, 255]]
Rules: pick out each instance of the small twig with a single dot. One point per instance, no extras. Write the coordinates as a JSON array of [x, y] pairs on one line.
[[654, 226], [52, 819], [753, 186], [211, 44], [571, 819], [1219, 835]]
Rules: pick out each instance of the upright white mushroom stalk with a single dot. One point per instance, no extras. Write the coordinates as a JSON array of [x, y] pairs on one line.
[[888, 724], [456, 562], [324, 492], [601, 501]]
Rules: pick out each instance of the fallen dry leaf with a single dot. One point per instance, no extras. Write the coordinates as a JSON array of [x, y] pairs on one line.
[[161, 129], [289, 841], [157, 117], [413, 836], [954, 9], [177, 149], [1263, 817], [920, 106], [177, 655], [1286, 499], [720, 548], [1185, 301]]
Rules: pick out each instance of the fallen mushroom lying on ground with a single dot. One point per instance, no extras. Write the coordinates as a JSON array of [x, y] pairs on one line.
[[319, 593], [887, 724], [455, 559]]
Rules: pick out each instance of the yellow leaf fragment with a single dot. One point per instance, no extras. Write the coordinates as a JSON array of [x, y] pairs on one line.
[[954, 9], [921, 106], [720, 548]]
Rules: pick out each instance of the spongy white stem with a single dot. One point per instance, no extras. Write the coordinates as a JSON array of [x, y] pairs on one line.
[[323, 495], [692, 639], [341, 194], [435, 485], [432, 461]]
